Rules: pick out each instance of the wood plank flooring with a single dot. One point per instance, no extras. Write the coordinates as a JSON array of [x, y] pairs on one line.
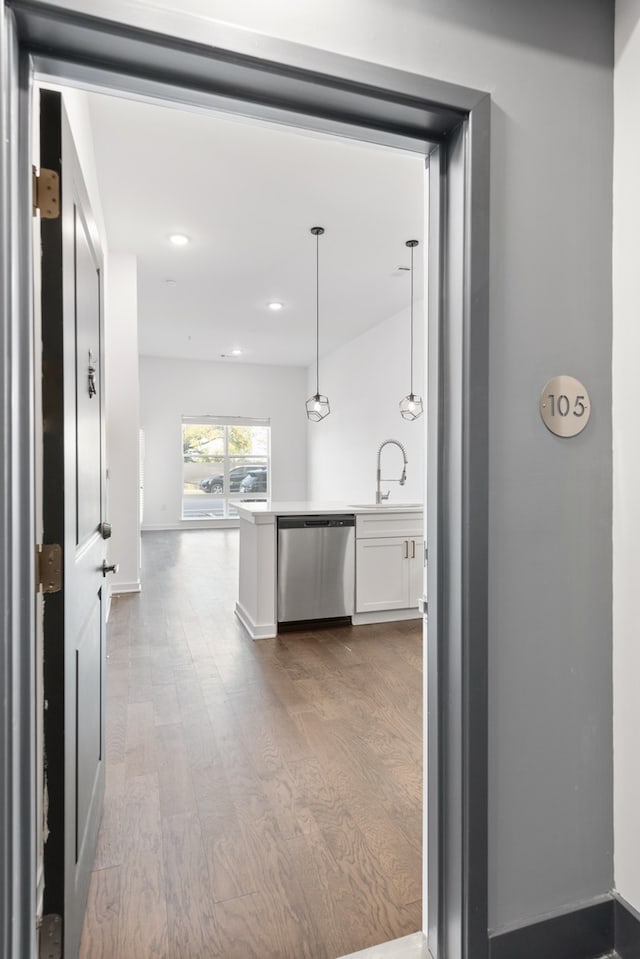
[[263, 798]]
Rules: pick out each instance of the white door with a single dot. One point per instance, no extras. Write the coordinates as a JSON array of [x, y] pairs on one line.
[[73, 498]]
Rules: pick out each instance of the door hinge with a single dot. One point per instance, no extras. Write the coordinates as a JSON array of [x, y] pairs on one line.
[[49, 567], [45, 189], [50, 946]]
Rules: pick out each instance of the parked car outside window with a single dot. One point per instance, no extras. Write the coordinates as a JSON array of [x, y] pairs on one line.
[[255, 481], [215, 484]]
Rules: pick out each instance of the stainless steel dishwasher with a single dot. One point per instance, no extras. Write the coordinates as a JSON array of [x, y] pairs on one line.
[[315, 567]]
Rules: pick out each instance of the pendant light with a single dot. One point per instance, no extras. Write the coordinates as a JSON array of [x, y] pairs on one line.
[[411, 405], [317, 405]]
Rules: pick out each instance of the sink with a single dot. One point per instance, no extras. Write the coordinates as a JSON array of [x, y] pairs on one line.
[[385, 505]]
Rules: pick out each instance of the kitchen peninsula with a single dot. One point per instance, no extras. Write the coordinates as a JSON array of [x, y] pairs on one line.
[[381, 565]]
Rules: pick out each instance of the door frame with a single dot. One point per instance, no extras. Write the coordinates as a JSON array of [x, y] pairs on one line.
[[240, 72]]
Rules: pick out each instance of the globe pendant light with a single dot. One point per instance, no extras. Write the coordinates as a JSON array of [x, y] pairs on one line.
[[317, 405], [411, 405]]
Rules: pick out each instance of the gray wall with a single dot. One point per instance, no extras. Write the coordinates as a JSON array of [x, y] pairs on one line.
[[550, 688], [626, 463], [548, 66]]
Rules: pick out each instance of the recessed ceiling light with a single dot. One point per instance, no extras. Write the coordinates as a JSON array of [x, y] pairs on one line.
[[170, 282], [275, 305], [179, 239], [236, 352]]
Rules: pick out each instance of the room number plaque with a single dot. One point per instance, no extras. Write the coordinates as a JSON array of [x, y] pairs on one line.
[[564, 406]]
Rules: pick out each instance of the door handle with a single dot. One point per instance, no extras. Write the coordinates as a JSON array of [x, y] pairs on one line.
[[109, 567], [406, 549], [413, 549]]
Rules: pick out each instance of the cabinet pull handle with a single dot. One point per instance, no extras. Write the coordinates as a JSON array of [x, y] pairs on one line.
[[413, 549], [406, 549]]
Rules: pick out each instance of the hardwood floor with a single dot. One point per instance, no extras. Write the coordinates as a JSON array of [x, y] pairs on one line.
[[263, 798]]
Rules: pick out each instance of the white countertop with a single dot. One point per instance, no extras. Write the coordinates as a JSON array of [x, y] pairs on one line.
[[255, 512]]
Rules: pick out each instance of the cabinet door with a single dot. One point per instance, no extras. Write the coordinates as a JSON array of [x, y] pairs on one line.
[[416, 571], [382, 573]]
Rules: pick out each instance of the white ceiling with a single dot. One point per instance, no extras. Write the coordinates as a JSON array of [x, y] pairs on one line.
[[247, 195]]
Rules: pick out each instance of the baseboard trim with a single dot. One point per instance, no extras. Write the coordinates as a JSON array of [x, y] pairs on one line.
[[191, 524], [586, 933], [385, 616], [627, 930], [267, 631], [134, 587]]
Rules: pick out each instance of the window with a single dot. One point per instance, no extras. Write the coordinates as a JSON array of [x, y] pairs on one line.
[[224, 462]]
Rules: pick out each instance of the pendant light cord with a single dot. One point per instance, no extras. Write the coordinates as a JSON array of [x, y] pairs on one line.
[[411, 321], [317, 314]]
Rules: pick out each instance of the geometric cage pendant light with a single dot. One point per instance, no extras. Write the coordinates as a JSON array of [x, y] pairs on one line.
[[411, 405], [317, 405]]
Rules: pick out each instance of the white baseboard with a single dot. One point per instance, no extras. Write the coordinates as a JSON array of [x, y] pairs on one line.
[[267, 631], [134, 587], [115, 589], [385, 616], [191, 524], [409, 947]]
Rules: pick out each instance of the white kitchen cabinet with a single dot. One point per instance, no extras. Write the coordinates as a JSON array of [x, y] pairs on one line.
[[416, 571], [389, 567], [388, 573]]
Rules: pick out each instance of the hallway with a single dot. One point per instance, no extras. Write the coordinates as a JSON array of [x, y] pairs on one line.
[[263, 798]]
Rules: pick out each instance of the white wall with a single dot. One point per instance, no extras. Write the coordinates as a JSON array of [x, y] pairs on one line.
[[76, 104], [123, 420], [365, 380], [626, 453], [121, 366], [171, 389]]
